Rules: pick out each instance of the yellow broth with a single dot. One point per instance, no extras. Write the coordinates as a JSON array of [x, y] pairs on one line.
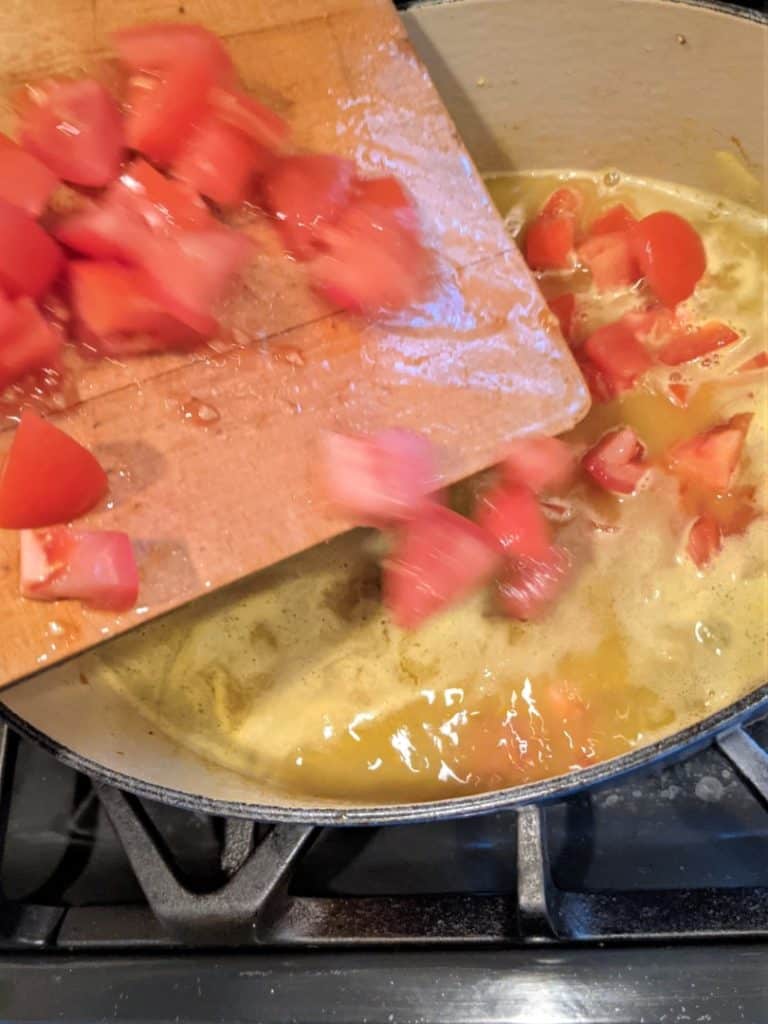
[[298, 677]]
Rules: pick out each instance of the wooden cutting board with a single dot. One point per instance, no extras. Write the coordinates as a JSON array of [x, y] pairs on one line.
[[212, 456]]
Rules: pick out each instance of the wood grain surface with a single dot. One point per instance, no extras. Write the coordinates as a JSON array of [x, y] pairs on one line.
[[209, 500]]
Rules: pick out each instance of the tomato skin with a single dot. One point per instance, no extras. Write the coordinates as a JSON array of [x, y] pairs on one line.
[[511, 515], [30, 260], [90, 152], [437, 560], [670, 255], [114, 303], [615, 463], [564, 308], [47, 477], [24, 180], [704, 541], [549, 243], [372, 258], [694, 343], [530, 586], [615, 218], [27, 344], [379, 479], [543, 463], [610, 260], [97, 567], [711, 458], [617, 353], [218, 161], [305, 191]]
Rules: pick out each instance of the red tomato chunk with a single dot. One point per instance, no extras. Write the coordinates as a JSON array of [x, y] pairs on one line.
[[616, 463], [24, 180], [511, 515], [696, 342], [30, 260], [610, 260], [564, 308], [437, 560], [618, 355], [28, 343], [704, 540], [710, 459], [670, 255], [616, 218], [97, 567], [545, 464], [530, 586], [47, 477], [379, 479]]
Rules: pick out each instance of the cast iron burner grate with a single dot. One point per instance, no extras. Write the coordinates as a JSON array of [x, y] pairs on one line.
[[678, 854]]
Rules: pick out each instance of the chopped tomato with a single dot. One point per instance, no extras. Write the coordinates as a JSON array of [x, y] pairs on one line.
[[511, 514], [617, 353], [564, 307], [564, 201], [758, 362], [305, 191], [159, 119], [437, 559], [543, 463], [670, 254], [695, 343], [245, 113], [158, 46], [97, 567], [530, 586], [75, 127], [191, 270], [616, 218], [679, 393], [7, 313], [114, 303], [610, 260], [30, 260], [108, 229], [379, 479], [549, 243], [704, 540], [372, 258], [652, 326], [218, 161], [710, 459], [599, 386], [47, 477], [616, 462], [161, 202], [24, 180], [27, 344]]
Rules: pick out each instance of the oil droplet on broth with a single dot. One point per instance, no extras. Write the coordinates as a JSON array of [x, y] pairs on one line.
[[298, 677]]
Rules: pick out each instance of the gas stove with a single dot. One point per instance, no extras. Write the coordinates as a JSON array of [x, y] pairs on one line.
[[643, 901]]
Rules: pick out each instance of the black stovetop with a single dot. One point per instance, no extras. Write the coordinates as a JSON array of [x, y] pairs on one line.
[[647, 900]]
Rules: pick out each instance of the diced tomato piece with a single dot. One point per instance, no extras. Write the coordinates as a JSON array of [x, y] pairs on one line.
[[549, 243], [704, 540], [652, 326], [24, 181], [305, 191], [610, 260], [28, 344], [161, 202], [617, 353], [113, 301], [710, 459], [564, 201], [191, 270], [616, 218], [218, 161], [105, 230], [30, 260], [75, 127], [758, 362], [243, 112], [437, 559], [679, 393], [695, 343], [373, 257], [600, 387], [530, 586], [511, 514], [670, 255], [7, 313], [158, 46], [616, 462], [543, 463], [159, 120], [47, 477], [379, 479], [564, 307], [97, 567]]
